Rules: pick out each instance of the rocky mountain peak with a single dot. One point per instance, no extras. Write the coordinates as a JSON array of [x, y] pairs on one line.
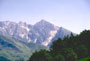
[[43, 22]]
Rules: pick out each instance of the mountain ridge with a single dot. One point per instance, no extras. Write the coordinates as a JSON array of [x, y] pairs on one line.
[[42, 32]]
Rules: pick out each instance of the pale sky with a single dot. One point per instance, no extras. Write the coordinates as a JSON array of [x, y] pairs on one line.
[[73, 15]]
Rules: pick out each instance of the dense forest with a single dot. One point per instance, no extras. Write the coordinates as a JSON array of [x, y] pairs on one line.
[[70, 48]]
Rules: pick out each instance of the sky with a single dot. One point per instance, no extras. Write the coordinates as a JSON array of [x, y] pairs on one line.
[[73, 15]]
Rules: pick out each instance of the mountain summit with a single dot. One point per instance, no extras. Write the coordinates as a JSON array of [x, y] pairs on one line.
[[46, 31], [42, 32], [43, 21]]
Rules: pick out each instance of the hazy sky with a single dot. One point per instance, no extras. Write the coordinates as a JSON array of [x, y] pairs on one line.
[[73, 15]]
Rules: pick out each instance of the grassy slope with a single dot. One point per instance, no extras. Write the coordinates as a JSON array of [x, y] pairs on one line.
[[25, 50]]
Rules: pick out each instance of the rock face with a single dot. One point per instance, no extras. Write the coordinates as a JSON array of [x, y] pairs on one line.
[[45, 32], [42, 32]]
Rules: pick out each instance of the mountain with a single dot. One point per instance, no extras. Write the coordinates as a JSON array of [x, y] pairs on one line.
[[19, 40], [42, 32]]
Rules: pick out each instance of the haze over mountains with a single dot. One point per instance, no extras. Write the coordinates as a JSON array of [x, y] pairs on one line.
[[42, 32]]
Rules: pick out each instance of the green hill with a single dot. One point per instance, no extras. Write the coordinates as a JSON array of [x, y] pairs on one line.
[[16, 50]]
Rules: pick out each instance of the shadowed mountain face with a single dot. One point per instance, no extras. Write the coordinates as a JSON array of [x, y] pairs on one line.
[[42, 32], [61, 33]]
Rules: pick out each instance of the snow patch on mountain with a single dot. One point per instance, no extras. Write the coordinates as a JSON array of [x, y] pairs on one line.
[[25, 28], [35, 40], [22, 35], [52, 34]]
